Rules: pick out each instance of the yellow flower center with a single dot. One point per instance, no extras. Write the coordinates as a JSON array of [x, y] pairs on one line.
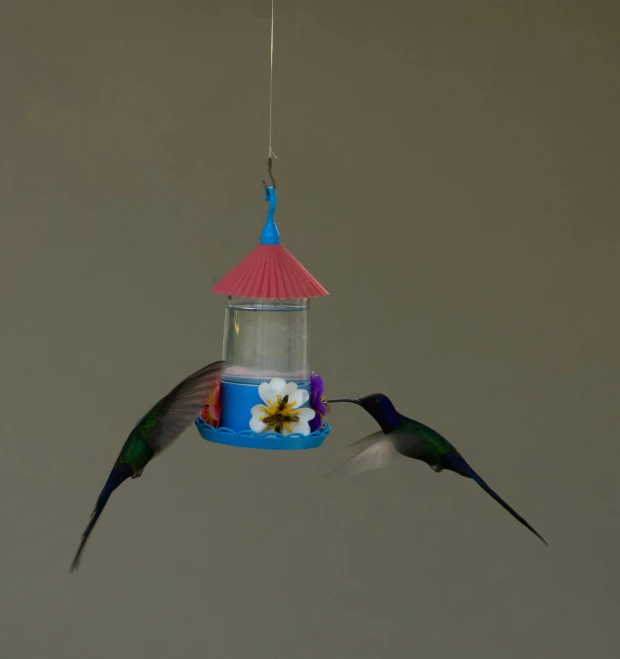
[[280, 415]]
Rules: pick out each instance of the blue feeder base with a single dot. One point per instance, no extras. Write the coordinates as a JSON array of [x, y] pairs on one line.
[[271, 441]]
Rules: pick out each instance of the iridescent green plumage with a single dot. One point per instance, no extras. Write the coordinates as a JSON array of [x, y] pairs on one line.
[[434, 447], [155, 431], [136, 451]]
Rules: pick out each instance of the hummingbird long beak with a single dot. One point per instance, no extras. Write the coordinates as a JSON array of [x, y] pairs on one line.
[[344, 400]]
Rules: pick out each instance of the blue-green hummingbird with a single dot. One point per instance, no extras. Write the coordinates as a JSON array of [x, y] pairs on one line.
[[157, 429], [402, 436]]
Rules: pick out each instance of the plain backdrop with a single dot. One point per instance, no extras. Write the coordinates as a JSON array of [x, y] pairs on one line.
[[449, 171]]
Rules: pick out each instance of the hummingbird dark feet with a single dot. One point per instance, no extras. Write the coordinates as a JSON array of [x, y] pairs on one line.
[[137, 474]]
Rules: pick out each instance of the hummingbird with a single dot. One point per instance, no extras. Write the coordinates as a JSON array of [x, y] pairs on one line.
[[155, 431], [402, 436]]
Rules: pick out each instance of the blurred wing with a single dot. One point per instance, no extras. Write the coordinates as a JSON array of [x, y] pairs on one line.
[[375, 451], [174, 413]]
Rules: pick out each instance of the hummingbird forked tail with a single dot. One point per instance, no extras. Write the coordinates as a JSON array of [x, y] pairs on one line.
[[459, 465], [117, 476]]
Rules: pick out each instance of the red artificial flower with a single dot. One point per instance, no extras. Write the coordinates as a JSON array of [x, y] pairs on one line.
[[212, 411]]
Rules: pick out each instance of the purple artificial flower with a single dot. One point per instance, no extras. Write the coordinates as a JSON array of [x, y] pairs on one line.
[[317, 401]]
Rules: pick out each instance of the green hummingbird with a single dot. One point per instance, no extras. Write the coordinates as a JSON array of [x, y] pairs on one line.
[[157, 429], [402, 436]]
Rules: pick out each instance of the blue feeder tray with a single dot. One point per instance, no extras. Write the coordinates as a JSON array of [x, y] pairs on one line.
[[271, 441]]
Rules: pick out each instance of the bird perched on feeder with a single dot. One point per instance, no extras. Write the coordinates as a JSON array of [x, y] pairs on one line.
[[402, 436], [157, 429]]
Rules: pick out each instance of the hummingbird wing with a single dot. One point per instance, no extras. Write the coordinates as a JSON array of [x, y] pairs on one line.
[[174, 413], [375, 451]]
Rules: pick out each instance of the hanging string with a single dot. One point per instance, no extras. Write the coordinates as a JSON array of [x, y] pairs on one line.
[[271, 153]]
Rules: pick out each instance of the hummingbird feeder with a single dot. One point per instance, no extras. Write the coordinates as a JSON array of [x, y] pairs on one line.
[[268, 396]]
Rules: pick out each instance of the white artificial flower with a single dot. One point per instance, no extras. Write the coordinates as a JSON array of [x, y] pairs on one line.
[[280, 411]]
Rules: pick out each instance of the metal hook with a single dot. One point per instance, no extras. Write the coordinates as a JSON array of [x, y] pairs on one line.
[[273, 183]]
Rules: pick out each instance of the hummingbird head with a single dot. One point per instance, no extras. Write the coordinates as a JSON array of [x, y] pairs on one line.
[[379, 406]]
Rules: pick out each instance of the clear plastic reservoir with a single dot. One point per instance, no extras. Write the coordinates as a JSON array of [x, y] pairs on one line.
[[264, 339]]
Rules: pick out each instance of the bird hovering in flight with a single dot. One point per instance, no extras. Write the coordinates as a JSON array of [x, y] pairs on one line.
[[402, 436], [157, 429]]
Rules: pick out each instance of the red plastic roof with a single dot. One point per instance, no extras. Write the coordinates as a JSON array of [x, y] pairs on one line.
[[271, 272]]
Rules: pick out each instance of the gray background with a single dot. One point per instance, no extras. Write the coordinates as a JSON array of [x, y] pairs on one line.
[[449, 171]]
